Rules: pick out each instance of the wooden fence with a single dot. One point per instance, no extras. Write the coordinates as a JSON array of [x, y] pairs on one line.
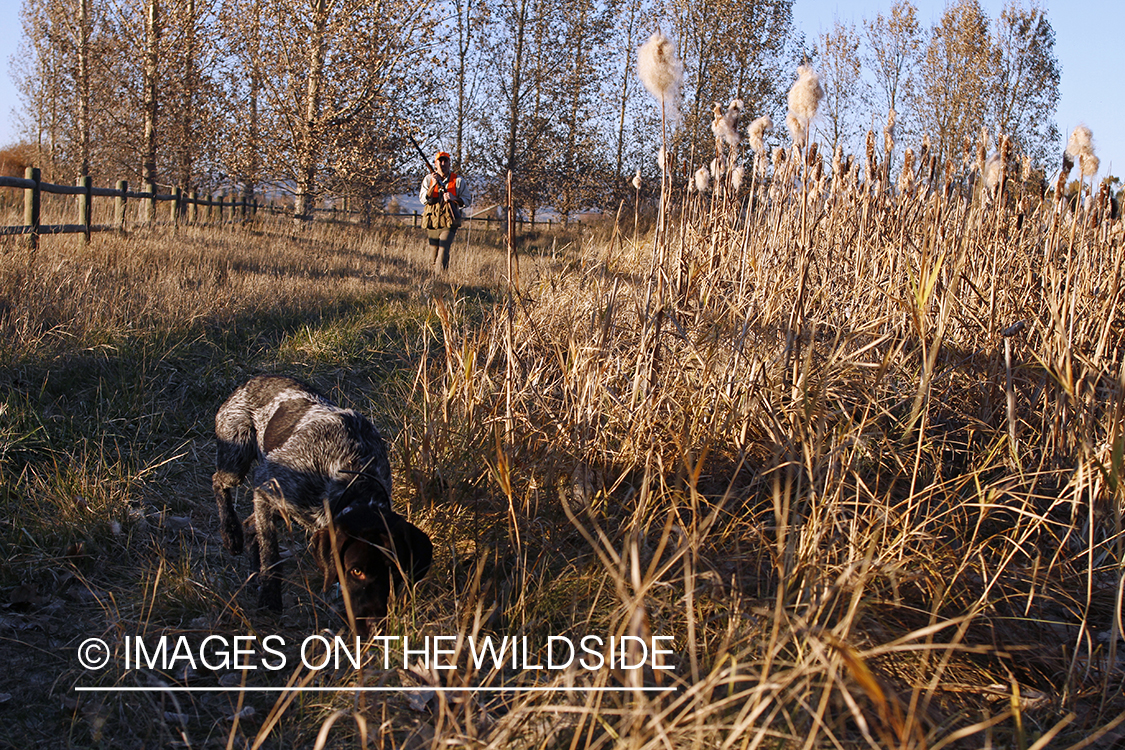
[[190, 208], [182, 207]]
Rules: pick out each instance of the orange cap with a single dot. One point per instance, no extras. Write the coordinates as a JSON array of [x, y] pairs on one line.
[[441, 154]]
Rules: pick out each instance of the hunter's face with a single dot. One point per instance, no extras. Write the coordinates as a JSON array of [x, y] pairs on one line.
[[443, 166]]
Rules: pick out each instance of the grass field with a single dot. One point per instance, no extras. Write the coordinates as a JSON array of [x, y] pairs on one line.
[[793, 438]]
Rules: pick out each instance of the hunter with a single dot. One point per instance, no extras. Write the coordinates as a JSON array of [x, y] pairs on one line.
[[444, 195]]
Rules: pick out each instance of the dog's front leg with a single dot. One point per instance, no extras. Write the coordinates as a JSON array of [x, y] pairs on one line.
[[229, 525], [269, 557]]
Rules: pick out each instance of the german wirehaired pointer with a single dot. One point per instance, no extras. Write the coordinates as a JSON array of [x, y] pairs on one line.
[[311, 454]]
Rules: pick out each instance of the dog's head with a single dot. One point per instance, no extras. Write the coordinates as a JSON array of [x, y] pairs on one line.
[[376, 550]]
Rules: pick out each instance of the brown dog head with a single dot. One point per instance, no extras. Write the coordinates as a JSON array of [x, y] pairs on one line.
[[376, 549]]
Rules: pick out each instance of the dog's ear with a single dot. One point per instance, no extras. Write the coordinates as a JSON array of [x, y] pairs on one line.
[[414, 549], [324, 552]]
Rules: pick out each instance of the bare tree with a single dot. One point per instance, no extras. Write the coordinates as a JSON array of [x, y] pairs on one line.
[[332, 65], [841, 74], [1027, 80], [957, 77], [893, 51]]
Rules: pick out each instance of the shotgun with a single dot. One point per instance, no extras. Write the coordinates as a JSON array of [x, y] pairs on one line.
[[429, 166]]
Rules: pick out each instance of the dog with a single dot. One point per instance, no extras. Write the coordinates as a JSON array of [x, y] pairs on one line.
[[326, 468]]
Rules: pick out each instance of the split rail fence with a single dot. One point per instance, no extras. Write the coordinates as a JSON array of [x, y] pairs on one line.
[[190, 208], [182, 207]]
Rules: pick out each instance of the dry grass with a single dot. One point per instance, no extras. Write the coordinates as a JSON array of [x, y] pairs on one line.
[[784, 431]]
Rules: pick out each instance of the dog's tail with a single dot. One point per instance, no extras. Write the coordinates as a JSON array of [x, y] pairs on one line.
[[237, 449]]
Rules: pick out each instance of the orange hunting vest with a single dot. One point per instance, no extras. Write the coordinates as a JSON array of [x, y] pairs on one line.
[[450, 186]]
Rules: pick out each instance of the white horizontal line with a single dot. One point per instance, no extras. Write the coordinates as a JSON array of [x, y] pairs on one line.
[[183, 689]]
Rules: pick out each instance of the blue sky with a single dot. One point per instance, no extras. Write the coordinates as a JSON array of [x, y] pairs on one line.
[[1086, 39]]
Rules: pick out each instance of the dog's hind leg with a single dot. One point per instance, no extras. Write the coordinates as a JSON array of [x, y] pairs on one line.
[[269, 556], [237, 450]]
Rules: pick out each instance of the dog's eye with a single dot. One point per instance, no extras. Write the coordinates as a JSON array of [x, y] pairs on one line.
[[357, 573]]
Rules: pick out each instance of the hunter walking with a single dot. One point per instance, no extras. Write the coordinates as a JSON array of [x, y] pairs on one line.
[[444, 195]]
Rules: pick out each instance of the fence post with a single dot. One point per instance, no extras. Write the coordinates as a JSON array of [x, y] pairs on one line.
[[119, 203], [415, 219], [31, 198], [174, 211], [84, 200], [150, 203], [222, 200], [193, 196]]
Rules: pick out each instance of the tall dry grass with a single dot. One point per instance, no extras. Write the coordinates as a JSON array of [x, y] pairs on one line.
[[859, 449], [789, 431]]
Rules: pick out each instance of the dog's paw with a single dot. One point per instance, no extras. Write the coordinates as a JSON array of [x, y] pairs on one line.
[[269, 597], [232, 536]]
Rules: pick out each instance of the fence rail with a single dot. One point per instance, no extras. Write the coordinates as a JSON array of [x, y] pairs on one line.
[[183, 207]]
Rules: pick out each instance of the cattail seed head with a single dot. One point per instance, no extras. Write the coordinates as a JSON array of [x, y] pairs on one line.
[[889, 133], [869, 148], [736, 176], [662, 72], [725, 124], [982, 149], [1081, 142], [702, 180], [797, 131], [805, 95], [906, 180], [1081, 147], [993, 171], [756, 133], [637, 179]]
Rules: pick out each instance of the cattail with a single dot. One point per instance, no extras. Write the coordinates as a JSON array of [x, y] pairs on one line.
[[993, 171], [968, 148], [837, 157], [982, 148], [725, 124], [717, 169], [889, 133], [1081, 142], [1025, 168], [869, 145], [662, 73], [661, 158], [805, 95], [637, 179], [756, 133], [778, 157], [1064, 173], [734, 117], [924, 151], [736, 176], [796, 129], [906, 180], [702, 180]]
